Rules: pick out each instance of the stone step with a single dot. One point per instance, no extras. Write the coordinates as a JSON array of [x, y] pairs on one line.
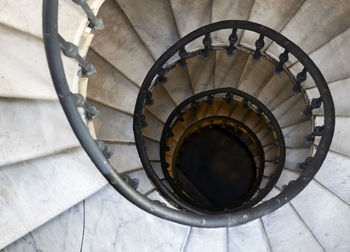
[[190, 16], [153, 21], [331, 222], [203, 239], [248, 237], [202, 72], [276, 91], [179, 85], [312, 19], [256, 75], [108, 86], [31, 129], [229, 10], [28, 18], [274, 14], [285, 230], [24, 55], [106, 221], [112, 125], [35, 191], [228, 70], [332, 61], [294, 136], [339, 90], [120, 45], [162, 105]]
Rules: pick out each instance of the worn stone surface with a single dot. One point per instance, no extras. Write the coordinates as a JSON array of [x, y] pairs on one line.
[[119, 44], [229, 10], [274, 14], [332, 61], [125, 158], [334, 174], [330, 223], [256, 75], [154, 127], [190, 15], [179, 85], [276, 91], [294, 136], [163, 104], [341, 137], [287, 232], [315, 18], [110, 87], [339, 91], [228, 70], [112, 125], [153, 21], [248, 237], [295, 156], [289, 112], [31, 129], [33, 192], [203, 239]]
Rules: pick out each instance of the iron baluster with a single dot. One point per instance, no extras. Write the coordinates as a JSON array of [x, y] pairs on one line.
[[318, 131], [283, 59], [259, 44], [183, 54], [133, 182], [301, 77], [71, 51], [95, 23], [149, 101], [305, 164], [107, 151], [90, 111], [233, 38], [315, 103], [207, 45]]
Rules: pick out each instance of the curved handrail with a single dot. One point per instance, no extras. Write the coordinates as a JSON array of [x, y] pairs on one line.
[[66, 98]]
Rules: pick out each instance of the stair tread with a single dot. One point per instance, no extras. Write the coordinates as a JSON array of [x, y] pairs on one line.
[[229, 10], [154, 22], [274, 14], [26, 53], [125, 158], [332, 231], [31, 129], [289, 112], [341, 137], [109, 86], [178, 85], [295, 156], [71, 18], [332, 62], [154, 127], [339, 90], [190, 16], [202, 72], [36, 191], [163, 104], [228, 70], [204, 239], [255, 75], [285, 230], [112, 125], [334, 175], [312, 19], [248, 237], [119, 44], [294, 135]]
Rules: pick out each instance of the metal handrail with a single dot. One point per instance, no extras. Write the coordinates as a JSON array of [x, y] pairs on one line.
[[66, 98]]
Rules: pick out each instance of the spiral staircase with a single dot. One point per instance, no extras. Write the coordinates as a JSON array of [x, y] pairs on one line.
[[147, 86]]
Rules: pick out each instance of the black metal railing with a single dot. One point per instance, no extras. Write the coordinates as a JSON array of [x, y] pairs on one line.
[[126, 186]]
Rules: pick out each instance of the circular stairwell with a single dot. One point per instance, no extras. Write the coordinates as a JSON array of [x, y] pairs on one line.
[[135, 34]]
